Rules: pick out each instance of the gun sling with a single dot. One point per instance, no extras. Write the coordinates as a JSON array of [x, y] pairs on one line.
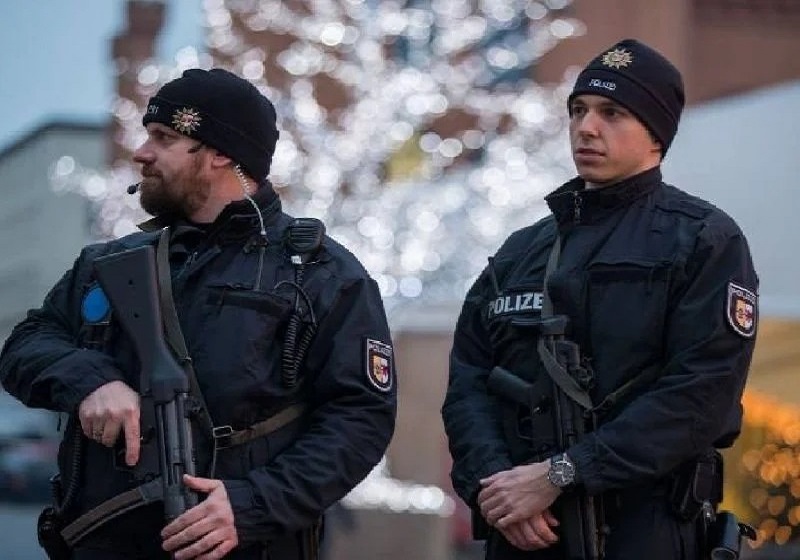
[[224, 436], [557, 372], [172, 327], [110, 509]]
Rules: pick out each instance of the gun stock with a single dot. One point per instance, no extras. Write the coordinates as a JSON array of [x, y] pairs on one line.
[[129, 280]]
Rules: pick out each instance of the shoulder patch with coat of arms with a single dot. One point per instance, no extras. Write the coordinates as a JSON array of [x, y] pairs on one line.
[[379, 364], [741, 310]]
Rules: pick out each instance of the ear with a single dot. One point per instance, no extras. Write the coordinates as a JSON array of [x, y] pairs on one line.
[[656, 145], [219, 160]]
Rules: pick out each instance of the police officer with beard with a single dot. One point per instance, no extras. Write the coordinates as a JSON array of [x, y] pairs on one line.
[[659, 291], [244, 293]]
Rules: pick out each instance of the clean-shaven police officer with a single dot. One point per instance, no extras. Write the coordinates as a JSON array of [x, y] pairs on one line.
[[660, 293]]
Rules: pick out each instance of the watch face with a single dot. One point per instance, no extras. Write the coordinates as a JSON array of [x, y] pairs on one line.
[[562, 471]]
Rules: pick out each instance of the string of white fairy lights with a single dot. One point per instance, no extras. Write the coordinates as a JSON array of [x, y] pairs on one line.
[[424, 234]]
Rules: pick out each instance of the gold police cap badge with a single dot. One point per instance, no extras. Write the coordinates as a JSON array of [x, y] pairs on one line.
[[617, 58], [186, 120]]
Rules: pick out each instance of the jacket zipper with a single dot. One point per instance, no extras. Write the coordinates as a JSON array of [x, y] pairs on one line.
[[186, 264], [577, 202], [196, 260]]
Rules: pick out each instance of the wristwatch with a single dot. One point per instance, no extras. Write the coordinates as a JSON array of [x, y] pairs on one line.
[[562, 471]]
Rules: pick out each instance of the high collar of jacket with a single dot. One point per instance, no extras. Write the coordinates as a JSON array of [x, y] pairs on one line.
[[573, 203], [238, 217]]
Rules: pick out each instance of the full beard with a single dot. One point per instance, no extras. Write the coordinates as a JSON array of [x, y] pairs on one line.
[[180, 198], [157, 200]]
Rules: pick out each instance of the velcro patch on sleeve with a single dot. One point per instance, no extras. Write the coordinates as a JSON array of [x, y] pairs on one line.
[[741, 310], [379, 364]]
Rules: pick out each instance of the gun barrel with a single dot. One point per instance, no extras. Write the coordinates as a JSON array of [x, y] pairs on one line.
[[177, 458]]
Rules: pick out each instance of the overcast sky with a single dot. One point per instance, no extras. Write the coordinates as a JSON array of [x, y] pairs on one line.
[[55, 60]]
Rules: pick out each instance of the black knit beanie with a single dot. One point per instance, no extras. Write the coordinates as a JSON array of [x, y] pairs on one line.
[[220, 110], [640, 79]]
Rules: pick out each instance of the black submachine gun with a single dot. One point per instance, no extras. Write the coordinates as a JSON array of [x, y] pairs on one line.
[[556, 408], [130, 282]]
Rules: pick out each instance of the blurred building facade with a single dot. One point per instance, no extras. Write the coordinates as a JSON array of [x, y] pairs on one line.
[[42, 230]]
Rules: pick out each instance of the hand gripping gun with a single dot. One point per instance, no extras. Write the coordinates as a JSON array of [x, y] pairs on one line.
[[130, 282], [557, 403]]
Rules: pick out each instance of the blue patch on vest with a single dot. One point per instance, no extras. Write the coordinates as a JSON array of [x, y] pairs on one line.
[[95, 306]]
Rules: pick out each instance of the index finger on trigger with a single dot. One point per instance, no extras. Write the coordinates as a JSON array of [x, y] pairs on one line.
[[132, 439]]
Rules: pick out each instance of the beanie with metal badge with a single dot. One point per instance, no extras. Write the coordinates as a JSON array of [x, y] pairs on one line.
[[640, 79], [220, 110]]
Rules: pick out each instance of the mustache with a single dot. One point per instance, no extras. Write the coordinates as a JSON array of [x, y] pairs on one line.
[[146, 172]]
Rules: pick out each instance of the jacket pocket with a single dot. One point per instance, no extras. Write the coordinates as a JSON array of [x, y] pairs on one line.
[[240, 307], [242, 336], [627, 306]]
